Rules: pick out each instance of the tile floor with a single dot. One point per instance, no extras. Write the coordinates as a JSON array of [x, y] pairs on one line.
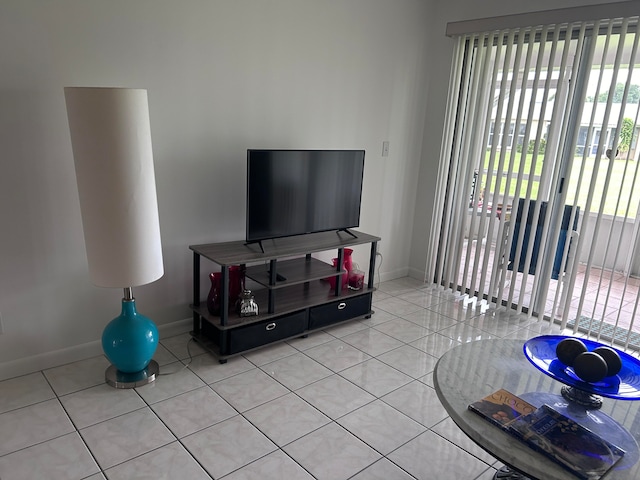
[[609, 296], [355, 401]]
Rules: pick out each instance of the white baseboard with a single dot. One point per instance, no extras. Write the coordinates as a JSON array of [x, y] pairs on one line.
[[43, 361], [175, 328], [392, 274], [417, 274]]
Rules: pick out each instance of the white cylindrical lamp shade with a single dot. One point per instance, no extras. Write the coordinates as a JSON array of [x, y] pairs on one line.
[[111, 141]]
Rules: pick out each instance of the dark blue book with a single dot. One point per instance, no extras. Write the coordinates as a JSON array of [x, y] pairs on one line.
[[567, 443]]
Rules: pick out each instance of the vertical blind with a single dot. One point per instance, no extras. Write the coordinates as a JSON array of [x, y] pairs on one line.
[[537, 189]]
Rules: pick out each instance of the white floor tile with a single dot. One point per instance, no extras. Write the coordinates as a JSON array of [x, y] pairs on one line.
[[193, 411], [409, 360], [455, 310], [182, 346], [376, 377], [449, 430], [435, 344], [499, 324], [249, 389], [25, 390], [403, 330], [383, 469], [210, 370], [430, 320], [97, 404], [380, 316], [270, 353], [422, 298], [62, 458], [163, 356], [228, 446], [379, 295], [397, 306], [334, 396], [345, 329], [332, 453], [275, 466], [37, 423], [382, 427], [125, 437], [78, 375], [175, 381], [337, 355], [400, 286], [171, 462], [489, 474], [372, 342], [418, 401], [465, 333], [429, 456], [296, 371], [312, 340], [286, 419]]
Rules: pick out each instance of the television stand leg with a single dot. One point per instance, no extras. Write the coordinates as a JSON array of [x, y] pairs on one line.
[[259, 242], [346, 230]]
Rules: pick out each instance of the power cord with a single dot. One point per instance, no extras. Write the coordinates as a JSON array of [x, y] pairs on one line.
[[378, 254], [187, 364]]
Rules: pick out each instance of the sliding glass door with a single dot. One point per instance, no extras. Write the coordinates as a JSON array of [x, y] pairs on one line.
[[538, 177]]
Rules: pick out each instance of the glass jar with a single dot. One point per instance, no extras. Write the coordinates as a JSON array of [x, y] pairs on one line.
[[247, 305]]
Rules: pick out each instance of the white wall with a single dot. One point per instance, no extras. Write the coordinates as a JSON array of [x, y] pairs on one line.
[[441, 51], [222, 76]]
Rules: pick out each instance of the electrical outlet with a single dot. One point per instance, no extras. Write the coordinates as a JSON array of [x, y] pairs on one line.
[[385, 149]]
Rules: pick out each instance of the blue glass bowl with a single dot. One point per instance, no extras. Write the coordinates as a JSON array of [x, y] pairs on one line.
[[541, 352]]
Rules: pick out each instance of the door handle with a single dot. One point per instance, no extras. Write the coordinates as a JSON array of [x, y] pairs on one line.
[[270, 326], [342, 306]]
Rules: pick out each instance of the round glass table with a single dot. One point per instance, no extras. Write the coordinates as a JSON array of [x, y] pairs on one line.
[[474, 370]]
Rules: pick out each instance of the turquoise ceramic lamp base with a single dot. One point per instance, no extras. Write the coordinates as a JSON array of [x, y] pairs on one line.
[[129, 341]]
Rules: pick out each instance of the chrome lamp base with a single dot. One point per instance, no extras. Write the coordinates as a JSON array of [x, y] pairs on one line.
[[119, 379]]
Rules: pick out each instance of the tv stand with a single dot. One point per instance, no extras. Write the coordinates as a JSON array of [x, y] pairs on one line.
[[292, 295]]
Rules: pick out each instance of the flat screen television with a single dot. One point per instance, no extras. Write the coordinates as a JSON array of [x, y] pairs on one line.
[[293, 192]]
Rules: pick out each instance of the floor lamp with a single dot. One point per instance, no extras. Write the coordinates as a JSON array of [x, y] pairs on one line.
[[111, 141]]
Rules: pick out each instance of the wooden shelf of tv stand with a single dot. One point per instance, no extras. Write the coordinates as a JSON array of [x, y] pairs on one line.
[[294, 271], [239, 252], [300, 303]]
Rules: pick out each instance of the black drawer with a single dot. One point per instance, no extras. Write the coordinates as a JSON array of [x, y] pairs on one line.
[[257, 334], [345, 309]]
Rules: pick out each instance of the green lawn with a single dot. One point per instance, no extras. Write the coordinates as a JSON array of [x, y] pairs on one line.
[[619, 184]]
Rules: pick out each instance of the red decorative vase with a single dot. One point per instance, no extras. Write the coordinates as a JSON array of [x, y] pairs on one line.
[[236, 284], [348, 262], [345, 276], [236, 287], [213, 299]]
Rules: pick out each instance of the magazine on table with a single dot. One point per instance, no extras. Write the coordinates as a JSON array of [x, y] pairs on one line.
[[566, 442], [501, 407]]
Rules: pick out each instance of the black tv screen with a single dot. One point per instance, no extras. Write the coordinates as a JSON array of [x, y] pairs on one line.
[[293, 192]]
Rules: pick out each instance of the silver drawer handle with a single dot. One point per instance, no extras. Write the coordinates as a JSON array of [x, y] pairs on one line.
[[342, 306], [271, 326]]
